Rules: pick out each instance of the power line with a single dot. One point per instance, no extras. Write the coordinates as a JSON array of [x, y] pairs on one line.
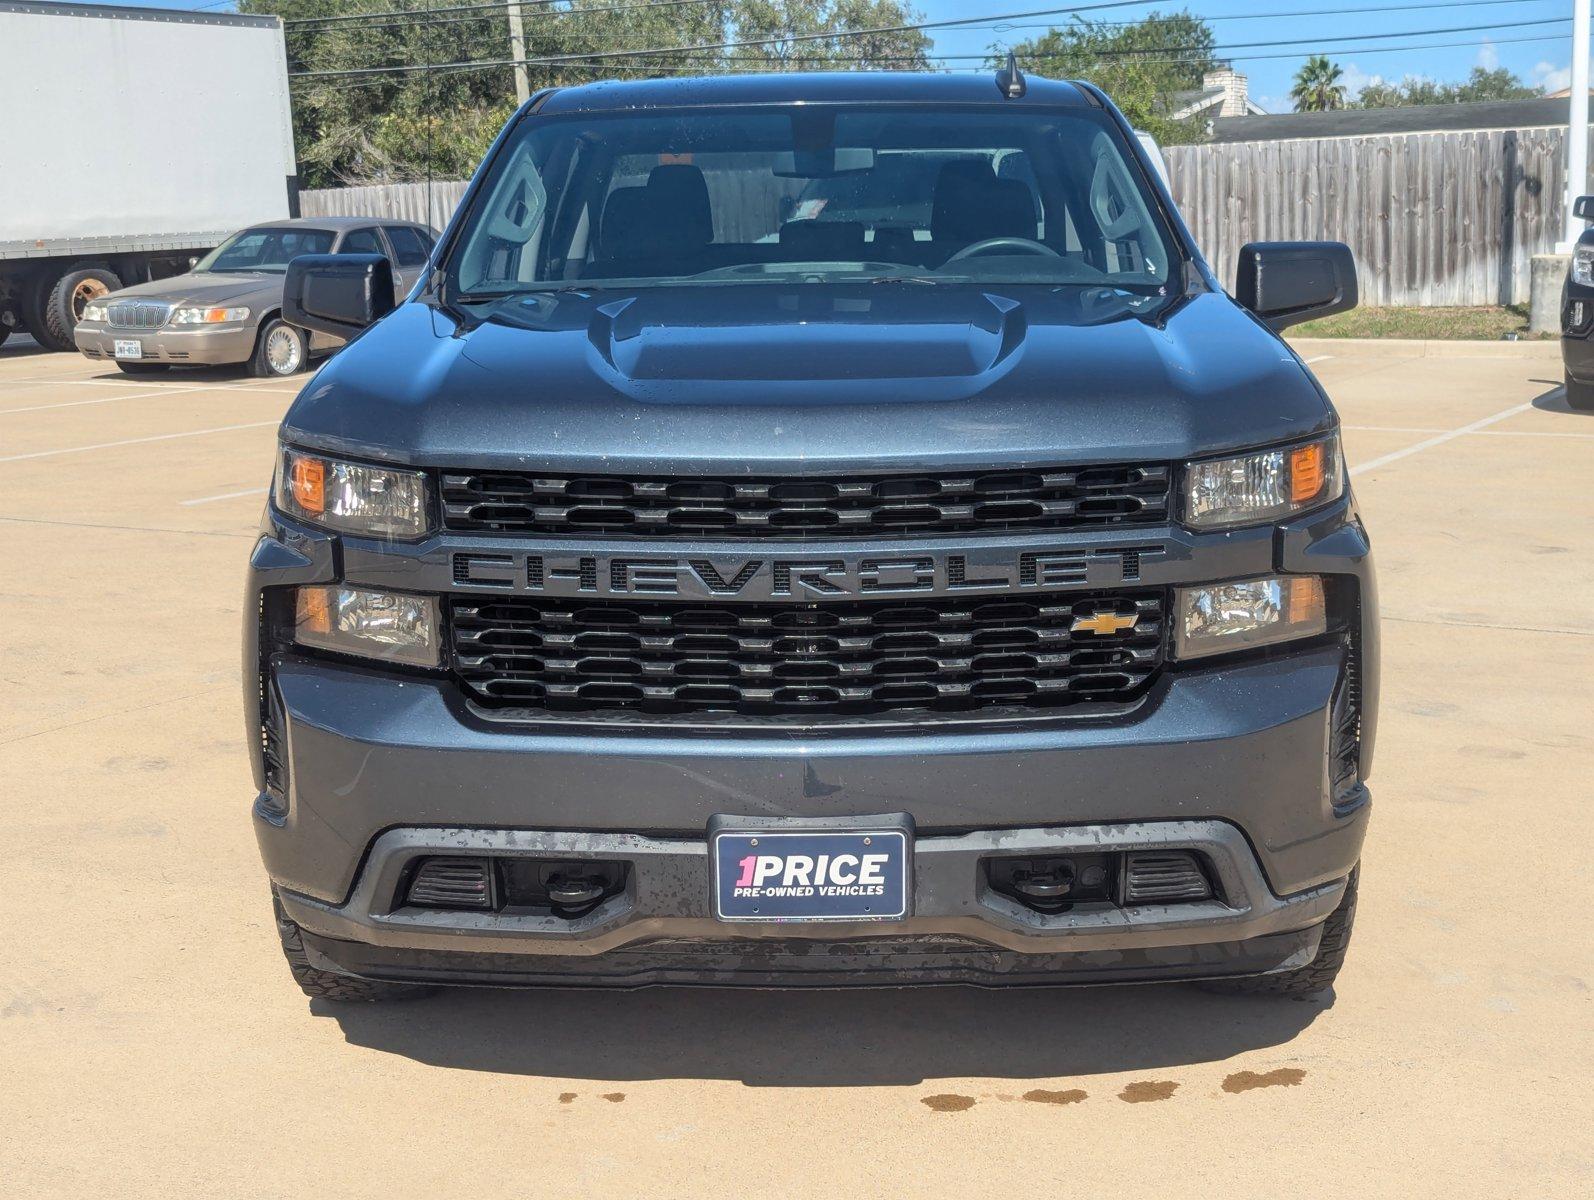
[[608, 55]]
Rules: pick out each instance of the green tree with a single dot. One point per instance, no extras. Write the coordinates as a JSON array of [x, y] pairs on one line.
[[1498, 84], [1317, 86], [396, 126], [1142, 65]]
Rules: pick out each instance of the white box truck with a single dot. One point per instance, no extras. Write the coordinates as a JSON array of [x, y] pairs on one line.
[[134, 139]]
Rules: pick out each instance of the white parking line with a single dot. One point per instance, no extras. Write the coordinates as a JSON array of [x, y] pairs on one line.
[[1541, 433], [1441, 439], [260, 491], [180, 386], [6, 412], [159, 437]]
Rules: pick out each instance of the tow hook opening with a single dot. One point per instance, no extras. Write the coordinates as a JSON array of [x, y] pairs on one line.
[[564, 888], [1060, 883]]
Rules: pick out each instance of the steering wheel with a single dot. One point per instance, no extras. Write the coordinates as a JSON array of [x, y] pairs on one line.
[[997, 245]]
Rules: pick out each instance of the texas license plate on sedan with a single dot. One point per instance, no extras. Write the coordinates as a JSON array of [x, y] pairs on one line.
[[128, 348], [799, 875]]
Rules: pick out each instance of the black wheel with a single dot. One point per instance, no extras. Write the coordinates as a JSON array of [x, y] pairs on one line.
[[327, 985], [5, 332], [62, 304], [143, 368], [1579, 395], [1317, 975], [280, 350]]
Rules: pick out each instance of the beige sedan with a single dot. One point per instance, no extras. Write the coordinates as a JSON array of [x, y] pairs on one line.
[[228, 308]]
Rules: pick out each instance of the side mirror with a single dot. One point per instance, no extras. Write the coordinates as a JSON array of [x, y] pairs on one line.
[[339, 294], [1286, 283], [1583, 208]]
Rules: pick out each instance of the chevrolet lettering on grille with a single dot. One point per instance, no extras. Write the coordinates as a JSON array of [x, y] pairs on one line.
[[817, 577]]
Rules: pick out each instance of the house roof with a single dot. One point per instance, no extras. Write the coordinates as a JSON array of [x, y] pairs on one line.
[[1416, 118]]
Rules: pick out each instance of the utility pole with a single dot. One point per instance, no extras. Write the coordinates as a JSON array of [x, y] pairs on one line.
[[1577, 125], [517, 49]]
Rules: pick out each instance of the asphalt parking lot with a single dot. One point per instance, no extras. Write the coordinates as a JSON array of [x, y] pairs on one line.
[[155, 1045]]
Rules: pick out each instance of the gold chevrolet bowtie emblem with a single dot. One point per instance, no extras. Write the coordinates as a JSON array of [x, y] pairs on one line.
[[1103, 623]]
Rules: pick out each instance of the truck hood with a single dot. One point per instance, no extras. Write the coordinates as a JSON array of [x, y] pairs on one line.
[[207, 288], [809, 379]]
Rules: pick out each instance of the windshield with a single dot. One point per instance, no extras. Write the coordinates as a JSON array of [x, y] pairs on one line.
[[814, 195], [265, 250]]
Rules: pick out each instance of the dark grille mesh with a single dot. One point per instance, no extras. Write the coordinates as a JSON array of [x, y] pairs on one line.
[[851, 658], [796, 508]]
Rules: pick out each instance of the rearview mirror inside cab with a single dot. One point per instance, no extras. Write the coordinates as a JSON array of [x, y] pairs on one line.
[[1285, 283], [1583, 208], [339, 294]]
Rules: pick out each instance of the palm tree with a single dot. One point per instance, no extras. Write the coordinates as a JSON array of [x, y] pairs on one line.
[[1317, 86]]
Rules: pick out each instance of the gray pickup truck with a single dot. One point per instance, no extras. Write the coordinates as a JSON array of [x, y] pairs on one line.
[[679, 586]]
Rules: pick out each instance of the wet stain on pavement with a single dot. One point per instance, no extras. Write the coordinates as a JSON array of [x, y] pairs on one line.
[[614, 1097], [1249, 1081], [947, 1102], [1147, 1090], [1043, 1096], [566, 1097]]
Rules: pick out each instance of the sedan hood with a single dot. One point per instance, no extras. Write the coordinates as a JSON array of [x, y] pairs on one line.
[[206, 288], [808, 379]]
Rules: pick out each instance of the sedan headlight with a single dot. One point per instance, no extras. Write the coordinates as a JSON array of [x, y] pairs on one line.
[[93, 312], [1583, 266], [1221, 617], [1253, 488], [208, 316], [353, 497], [390, 626]]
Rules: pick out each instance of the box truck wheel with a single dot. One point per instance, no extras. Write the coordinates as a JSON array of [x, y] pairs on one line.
[[61, 299]]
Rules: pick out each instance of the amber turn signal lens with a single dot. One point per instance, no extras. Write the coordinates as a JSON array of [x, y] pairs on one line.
[[309, 483], [314, 613], [1308, 468]]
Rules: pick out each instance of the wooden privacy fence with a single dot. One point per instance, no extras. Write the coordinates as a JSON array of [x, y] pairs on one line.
[[1433, 218], [395, 201]]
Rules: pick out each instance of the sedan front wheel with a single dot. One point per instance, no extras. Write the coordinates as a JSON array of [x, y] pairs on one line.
[[280, 350]]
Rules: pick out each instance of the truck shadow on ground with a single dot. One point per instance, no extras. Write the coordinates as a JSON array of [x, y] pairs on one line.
[[824, 1038], [1554, 400]]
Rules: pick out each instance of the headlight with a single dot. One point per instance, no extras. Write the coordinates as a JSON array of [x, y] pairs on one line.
[[1242, 616], [391, 626], [93, 312], [1583, 266], [208, 316], [352, 497], [1253, 488]]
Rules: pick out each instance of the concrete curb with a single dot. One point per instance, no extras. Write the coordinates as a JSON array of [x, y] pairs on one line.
[[1547, 350]]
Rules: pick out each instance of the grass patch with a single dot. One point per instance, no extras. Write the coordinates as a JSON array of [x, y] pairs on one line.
[[1445, 324]]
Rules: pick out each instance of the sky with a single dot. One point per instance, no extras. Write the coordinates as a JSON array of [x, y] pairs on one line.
[[1540, 54]]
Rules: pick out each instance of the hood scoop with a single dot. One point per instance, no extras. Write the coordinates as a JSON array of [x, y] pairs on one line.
[[786, 336]]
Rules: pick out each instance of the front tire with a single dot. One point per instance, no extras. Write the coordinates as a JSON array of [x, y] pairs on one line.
[[327, 985], [63, 303], [1579, 395], [1317, 975], [280, 351]]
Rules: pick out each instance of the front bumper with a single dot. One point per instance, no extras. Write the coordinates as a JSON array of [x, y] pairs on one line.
[[1226, 758], [201, 345], [659, 929]]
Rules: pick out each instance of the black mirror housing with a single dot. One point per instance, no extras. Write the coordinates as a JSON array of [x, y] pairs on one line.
[[1286, 283], [340, 294], [1583, 208]]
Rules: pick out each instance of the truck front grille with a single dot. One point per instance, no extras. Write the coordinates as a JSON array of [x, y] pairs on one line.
[[137, 314], [860, 657], [805, 507]]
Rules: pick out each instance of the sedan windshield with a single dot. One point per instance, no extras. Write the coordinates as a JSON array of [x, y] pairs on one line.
[[267, 250], [814, 195]]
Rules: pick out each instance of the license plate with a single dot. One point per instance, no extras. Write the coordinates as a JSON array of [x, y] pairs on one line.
[[797, 875], [129, 348]]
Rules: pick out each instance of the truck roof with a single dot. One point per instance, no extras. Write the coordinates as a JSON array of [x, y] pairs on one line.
[[812, 87], [46, 8]]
